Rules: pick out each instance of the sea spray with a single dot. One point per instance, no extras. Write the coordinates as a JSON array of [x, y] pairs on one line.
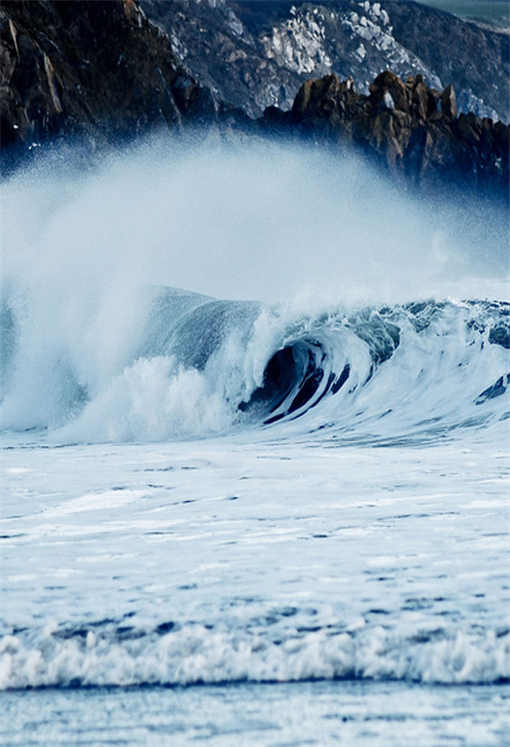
[[93, 259]]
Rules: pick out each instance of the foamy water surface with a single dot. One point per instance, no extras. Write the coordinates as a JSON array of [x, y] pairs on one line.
[[280, 518]]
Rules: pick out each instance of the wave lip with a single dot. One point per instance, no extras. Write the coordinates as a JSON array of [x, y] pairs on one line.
[[295, 379]]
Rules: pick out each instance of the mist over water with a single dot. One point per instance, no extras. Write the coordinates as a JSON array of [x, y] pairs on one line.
[[279, 224], [261, 221]]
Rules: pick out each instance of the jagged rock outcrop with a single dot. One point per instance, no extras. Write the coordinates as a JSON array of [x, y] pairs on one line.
[[411, 129], [257, 54], [92, 71]]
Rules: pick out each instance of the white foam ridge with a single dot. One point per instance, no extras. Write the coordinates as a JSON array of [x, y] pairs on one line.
[[196, 654]]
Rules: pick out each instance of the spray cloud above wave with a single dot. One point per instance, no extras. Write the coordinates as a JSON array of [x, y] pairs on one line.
[[262, 221]]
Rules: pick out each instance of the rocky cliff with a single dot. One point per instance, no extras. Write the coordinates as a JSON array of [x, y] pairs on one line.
[[100, 73], [410, 129], [96, 72], [257, 54]]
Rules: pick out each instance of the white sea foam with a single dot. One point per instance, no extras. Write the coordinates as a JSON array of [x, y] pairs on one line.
[[195, 654], [238, 559]]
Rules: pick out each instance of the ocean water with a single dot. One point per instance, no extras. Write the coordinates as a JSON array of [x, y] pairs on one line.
[[495, 12], [254, 455]]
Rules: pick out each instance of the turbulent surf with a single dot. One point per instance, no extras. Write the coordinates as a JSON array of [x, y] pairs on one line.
[[255, 427], [413, 370]]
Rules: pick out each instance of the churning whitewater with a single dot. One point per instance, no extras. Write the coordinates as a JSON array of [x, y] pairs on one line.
[[204, 366], [254, 409]]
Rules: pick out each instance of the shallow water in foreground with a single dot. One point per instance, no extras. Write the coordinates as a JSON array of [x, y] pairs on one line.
[[256, 558], [310, 713]]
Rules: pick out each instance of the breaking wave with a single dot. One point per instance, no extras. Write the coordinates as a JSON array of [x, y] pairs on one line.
[[98, 344], [377, 320], [173, 654], [203, 366]]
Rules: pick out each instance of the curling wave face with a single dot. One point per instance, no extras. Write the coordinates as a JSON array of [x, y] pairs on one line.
[[204, 366]]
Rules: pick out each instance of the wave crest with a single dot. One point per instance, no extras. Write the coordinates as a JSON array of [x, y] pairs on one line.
[[194, 653], [202, 367]]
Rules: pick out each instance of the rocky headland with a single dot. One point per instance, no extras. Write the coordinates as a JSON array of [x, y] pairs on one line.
[[100, 73], [413, 131], [257, 54]]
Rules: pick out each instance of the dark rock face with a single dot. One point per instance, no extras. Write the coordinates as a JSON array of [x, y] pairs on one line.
[[98, 72], [93, 71], [413, 130], [475, 60], [256, 54]]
